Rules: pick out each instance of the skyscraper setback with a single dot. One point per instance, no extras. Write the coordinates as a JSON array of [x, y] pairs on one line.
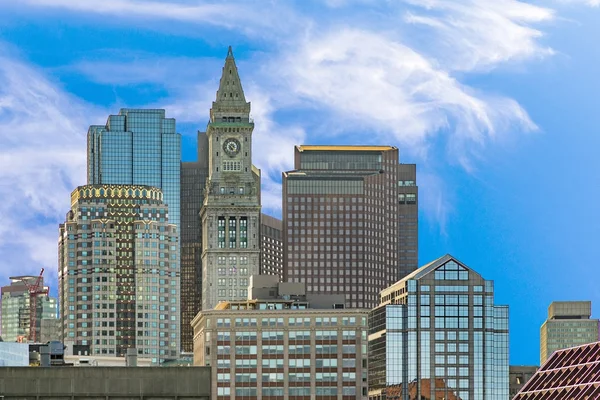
[[349, 220], [137, 147], [230, 214]]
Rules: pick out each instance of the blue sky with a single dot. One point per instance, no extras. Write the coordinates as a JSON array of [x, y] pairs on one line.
[[496, 101]]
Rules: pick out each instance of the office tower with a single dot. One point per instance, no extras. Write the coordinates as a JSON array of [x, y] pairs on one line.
[[51, 329], [568, 325], [518, 375], [349, 220], [271, 246], [193, 182], [119, 273], [283, 343], [568, 374], [16, 310], [137, 147], [230, 213], [439, 335]]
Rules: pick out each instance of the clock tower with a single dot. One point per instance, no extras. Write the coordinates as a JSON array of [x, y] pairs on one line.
[[230, 213]]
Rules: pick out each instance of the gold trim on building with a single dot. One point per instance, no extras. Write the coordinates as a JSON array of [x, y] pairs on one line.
[[115, 192], [343, 148]]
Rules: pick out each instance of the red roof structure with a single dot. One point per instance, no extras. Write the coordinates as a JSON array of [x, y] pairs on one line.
[[569, 374]]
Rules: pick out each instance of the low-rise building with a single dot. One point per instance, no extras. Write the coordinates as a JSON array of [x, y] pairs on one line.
[[282, 343], [518, 375], [13, 354], [106, 383]]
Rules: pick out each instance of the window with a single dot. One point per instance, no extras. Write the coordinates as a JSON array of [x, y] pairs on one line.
[[232, 232], [243, 233], [231, 166], [221, 231]]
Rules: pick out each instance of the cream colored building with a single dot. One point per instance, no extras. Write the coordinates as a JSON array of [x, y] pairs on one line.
[[285, 344], [568, 325]]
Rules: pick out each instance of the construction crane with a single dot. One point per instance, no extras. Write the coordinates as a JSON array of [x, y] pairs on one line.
[[35, 289]]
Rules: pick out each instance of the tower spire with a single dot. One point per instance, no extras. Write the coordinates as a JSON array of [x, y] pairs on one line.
[[230, 99]]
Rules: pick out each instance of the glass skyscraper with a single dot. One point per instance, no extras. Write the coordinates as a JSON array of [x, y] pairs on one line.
[[137, 147], [438, 335], [16, 310]]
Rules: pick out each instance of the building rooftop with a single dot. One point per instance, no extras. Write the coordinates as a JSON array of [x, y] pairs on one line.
[[343, 148], [570, 310], [572, 373], [422, 271]]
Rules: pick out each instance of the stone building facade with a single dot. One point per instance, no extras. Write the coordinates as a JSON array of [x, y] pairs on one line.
[[230, 214]]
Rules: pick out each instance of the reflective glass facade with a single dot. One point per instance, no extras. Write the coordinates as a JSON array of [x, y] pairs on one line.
[[439, 335], [137, 147], [16, 311]]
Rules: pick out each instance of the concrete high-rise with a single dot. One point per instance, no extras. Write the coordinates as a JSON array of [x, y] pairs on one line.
[[349, 220], [282, 343], [193, 182], [137, 147], [16, 310], [568, 325], [119, 272], [271, 246], [230, 214], [438, 334]]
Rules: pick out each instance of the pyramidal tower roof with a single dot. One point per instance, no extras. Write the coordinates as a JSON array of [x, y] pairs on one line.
[[230, 96]]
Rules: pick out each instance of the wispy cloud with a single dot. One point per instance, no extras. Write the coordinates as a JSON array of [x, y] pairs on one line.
[[367, 71], [592, 3], [42, 158], [244, 16], [480, 34]]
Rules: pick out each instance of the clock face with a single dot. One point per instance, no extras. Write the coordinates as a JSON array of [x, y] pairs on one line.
[[231, 147]]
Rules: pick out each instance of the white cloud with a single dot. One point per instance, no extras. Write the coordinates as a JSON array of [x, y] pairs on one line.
[[592, 3], [377, 85], [272, 146], [244, 16], [393, 75], [42, 159], [480, 34]]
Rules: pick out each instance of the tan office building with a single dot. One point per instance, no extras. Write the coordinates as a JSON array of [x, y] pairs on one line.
[[568, 325], [287, 345]]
